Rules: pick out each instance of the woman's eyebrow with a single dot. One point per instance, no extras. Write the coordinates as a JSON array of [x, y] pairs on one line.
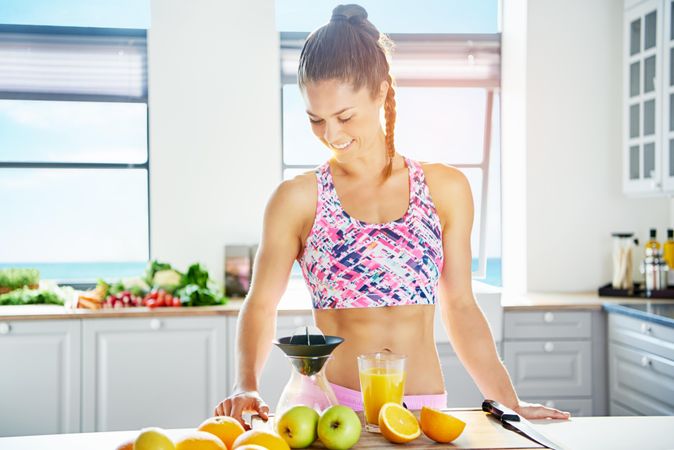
[[335, 114]]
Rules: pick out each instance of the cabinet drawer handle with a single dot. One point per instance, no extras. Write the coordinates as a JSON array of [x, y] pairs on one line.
[[5, 328], [548, 317], [646, 361], [646, 328], [548, 347], [550, 404], [155, 324]]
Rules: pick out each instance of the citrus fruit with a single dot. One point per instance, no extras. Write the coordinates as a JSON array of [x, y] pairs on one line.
[[439, 426], [397, 424], [266, 439], [226, 428], [251, 447], [153, 438], [200, 440], [128, 445]]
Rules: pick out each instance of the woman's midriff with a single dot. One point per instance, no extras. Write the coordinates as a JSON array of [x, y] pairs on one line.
[[406, 330]]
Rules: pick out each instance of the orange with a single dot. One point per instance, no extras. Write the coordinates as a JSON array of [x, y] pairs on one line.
[[440, 426], [266, 439], [251, 447], [128, 445], [397, 424], [226, 428], [200, 440]]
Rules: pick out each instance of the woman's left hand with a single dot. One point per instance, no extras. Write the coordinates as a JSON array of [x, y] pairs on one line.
[[538, 411]]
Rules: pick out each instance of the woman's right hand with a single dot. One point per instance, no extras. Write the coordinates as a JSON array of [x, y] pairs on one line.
[[243, 401]]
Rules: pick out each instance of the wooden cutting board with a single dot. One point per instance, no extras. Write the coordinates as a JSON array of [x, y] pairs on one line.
[[481, 432]]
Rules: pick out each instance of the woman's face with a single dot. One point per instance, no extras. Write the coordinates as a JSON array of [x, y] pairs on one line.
[[346, 121]]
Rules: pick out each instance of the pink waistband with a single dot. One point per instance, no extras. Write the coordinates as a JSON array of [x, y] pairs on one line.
[[354, 399]]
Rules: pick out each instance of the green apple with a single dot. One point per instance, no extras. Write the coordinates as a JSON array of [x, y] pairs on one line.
[[339, 427], [153, 438], [297, 426]]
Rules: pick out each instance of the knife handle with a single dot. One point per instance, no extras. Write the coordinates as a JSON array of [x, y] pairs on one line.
[[501, 412]]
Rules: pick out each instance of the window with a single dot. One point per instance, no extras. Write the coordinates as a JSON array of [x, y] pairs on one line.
[[447, 101], [74, 163]]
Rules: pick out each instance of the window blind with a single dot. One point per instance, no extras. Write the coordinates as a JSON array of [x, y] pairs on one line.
[[461, 60], [73, 61]]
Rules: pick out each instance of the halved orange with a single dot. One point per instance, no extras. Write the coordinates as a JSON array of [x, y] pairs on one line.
[[397, 424], [440, 426]]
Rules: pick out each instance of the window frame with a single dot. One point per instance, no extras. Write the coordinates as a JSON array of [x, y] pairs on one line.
[[40, 96], [434, 45]]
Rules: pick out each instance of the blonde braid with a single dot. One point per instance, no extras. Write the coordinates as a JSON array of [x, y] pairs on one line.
[[390, 116]]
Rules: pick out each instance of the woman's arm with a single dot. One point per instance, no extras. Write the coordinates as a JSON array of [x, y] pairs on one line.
[[284, 220], [464, 321]]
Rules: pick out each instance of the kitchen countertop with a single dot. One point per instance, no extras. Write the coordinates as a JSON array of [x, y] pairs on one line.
[[595, 433], [659, 313], [296, 300]]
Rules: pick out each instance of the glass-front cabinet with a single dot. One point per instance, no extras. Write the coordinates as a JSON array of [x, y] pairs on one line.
[[648, 93]]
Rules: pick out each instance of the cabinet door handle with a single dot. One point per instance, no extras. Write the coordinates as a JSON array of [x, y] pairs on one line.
[[646, 361], [548, 347], [646, 328], [5, 328], [548, 317], [155, 324]]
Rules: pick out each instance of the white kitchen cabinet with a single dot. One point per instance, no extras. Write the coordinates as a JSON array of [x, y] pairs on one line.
[[641, 366], [155, 371], [648, 98], [40, 377], [557, 358]]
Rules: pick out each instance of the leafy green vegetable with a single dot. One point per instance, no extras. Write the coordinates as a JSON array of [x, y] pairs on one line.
[[26, 296], [18, 278], [195, 275], [194, 295]]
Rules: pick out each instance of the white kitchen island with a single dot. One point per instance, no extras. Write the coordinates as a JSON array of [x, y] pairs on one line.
[[591, 433]]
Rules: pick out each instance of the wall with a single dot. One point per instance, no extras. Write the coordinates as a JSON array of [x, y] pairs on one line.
[[214, 126], [573, 150]]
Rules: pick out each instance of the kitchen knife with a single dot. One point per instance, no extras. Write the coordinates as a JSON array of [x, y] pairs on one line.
[[512, 421]]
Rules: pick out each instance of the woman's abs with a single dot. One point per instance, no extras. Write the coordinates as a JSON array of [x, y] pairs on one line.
[[406, 330]]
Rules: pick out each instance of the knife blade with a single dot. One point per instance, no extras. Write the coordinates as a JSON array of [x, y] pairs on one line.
[[512, 421]]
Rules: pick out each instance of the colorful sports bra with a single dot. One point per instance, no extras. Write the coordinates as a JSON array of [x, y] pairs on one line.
[[348, 263]]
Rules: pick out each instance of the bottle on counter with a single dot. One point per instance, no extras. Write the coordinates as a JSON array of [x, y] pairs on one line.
[[668, 253], [655, 271], [653, 241]]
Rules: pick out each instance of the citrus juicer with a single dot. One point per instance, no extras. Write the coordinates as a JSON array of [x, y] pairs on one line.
[[308, 351]]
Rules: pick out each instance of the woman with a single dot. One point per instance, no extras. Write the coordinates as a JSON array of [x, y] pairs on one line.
[[380, 238]]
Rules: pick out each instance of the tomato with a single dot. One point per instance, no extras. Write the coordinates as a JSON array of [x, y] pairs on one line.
[[151, 303], [176, 301]]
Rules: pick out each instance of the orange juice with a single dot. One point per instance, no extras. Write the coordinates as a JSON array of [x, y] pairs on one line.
[[380, 385]]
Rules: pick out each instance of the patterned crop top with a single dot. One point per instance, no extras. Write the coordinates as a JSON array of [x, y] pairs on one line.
[[348, 263]]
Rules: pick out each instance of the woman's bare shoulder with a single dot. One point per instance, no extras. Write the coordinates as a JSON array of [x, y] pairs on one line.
[[449, 188], [296, 195]]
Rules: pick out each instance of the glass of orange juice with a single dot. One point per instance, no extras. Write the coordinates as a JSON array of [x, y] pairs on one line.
[[382, 380]]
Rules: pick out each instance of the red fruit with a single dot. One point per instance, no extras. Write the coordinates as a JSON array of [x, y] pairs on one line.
[[176, 301], [151, 303]]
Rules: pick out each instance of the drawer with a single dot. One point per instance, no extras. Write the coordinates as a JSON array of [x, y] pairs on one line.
[[578, 407], [641, 334], [641, 381], [549, 368], [548, 325]]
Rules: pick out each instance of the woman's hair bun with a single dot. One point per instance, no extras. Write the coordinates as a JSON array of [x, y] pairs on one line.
[[351, 13]]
